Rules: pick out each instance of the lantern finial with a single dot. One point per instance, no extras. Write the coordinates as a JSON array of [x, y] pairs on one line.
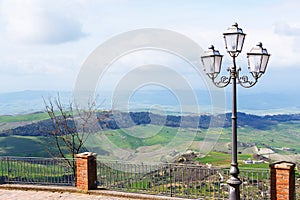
[[259, 44]]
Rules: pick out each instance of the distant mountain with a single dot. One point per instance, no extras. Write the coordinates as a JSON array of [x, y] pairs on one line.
[[127, 120], [264, 103], [24, 102]]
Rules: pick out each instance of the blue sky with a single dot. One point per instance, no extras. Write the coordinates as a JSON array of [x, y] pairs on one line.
[[43, 43]]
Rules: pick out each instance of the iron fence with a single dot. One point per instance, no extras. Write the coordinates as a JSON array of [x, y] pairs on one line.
[[188, 181], [51, 171], [176, 180]]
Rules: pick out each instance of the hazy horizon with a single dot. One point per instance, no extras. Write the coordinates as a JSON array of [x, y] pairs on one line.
[[24, 102]]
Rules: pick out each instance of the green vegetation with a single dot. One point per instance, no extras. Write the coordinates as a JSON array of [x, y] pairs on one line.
[[255, 166], [277, 136], [138, 136], [216, 158], [283, 138], [22, 146], [27, 117], [25, 146], [223, 160], [150, 135], [37, 171]]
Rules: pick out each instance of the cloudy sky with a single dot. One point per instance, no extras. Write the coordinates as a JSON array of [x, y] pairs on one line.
[[44, 43]]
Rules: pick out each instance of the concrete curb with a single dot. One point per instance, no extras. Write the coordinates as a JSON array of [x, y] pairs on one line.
[[99, 191]]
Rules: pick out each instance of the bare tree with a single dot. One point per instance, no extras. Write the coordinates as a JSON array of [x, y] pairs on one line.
[[71, 127]]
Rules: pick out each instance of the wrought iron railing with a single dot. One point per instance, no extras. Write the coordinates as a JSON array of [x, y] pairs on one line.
[[189, 181], [54, 171], [176, 180]]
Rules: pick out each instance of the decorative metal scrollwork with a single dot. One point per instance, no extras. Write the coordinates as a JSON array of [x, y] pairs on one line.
[[244, 80], [223, 82]]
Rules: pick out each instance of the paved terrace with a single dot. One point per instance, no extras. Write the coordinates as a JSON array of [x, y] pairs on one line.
[[38, 192]]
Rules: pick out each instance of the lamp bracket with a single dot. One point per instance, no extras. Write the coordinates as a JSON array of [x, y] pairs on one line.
[[244, 80], [222, 82]]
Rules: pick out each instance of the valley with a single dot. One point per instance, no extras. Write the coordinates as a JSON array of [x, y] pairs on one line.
[[149, 139]]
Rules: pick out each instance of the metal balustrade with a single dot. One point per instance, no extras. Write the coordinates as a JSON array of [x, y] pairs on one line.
[[54, 171], [176, 180]]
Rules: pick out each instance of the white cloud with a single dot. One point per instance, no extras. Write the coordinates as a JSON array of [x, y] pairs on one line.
[[60, 22], [32, 21], [285, 29], [19, 65]]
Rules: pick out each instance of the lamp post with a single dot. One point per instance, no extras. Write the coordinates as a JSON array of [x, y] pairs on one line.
[[257, 60]]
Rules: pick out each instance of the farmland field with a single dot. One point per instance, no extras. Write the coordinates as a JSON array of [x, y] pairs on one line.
[[151, 142]]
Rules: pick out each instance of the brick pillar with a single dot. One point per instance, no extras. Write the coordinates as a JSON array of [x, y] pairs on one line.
[[282, 181], [86, 171]]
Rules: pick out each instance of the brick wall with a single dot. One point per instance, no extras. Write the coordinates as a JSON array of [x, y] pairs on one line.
[[86, 171], [282, 181]]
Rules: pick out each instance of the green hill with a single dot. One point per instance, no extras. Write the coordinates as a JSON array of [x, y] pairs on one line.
[[281, 136]]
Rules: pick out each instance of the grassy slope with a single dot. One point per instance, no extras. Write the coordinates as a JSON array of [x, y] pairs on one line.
[[281, 135], [125, 139], [277, 136], [222, 159], [27, 117], [27, 146]]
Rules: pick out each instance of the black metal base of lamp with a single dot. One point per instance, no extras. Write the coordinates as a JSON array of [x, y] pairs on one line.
[[234, 188]]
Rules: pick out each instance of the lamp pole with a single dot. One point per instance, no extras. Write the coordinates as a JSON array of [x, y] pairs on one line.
[[234, 181], [258, 58]]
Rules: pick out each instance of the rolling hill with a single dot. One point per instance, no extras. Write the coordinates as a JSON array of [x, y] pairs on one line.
[[141, 135]]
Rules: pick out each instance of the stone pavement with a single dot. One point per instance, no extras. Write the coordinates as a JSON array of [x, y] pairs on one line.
[[47, 195], [46, 192]]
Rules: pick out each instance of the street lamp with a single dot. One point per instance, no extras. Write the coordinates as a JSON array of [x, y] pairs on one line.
[[258, 58]]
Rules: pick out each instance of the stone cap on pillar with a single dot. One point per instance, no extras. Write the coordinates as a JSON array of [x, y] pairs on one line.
[[283, 165], [86, 155]]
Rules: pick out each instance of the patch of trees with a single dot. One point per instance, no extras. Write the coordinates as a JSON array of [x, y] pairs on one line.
[[117, 120], [35, 129]]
